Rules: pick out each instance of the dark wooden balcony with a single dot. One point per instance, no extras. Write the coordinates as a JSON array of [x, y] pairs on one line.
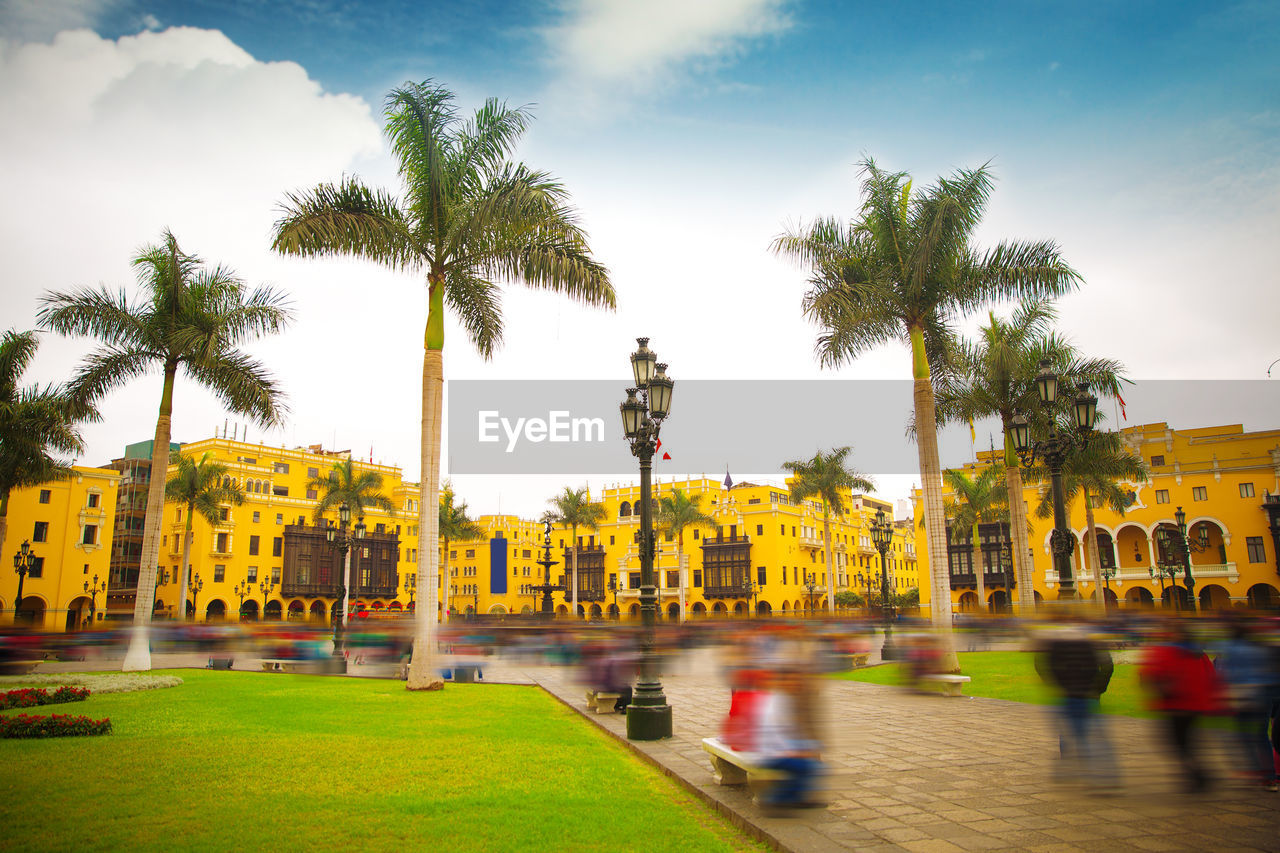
[[735, 591], [310, 590]]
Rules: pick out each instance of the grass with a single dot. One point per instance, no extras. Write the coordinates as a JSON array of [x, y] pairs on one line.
[[294, 762], [1012, 676]]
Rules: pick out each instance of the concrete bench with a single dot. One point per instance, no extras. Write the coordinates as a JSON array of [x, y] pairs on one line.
[[858, 659], [732, 767], [219, 663], [601, 701], [274, 665], [952, 685]]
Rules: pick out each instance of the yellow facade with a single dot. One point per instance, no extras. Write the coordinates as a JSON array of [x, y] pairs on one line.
[[68, 525], [768, 540], [1221, 477]]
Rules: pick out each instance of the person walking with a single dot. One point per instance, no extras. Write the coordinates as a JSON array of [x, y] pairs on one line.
[[1246, 668], [1185, 687], [1080, 669]]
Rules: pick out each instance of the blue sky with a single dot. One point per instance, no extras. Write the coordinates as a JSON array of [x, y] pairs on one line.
[[1141, 136]]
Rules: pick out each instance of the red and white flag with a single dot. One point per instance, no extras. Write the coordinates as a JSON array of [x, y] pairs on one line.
[[1122, 412]]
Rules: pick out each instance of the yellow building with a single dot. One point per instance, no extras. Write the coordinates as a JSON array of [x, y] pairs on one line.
[[764, 555], [267, 558], [1224, 479], [68, 525]]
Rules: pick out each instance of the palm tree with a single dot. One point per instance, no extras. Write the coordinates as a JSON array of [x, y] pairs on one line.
[[573, 509], [906, 271], [469, 219], [994, 376], [676, 512], [202, 486], [35, 424], [981, 499], [343, 484], [1094, 470], [455, 524], [826, 476], [186, 318]]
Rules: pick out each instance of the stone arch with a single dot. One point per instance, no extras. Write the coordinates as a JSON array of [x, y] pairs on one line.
[[614, 613], [498, 609], [1139, 596], [699, 609], [562, 610], [249, 611], [32, 610], [1262, 596], [634, 612], [525, 609], [78, 613], [1175, 596], [624, 510], [297, 610], [968, 602], [718, 608], [595, 612], [317, 611], [215, 610], [786, 606], [273, 610], [1214, 597], [763, 608], [673, 611], [739, 608]]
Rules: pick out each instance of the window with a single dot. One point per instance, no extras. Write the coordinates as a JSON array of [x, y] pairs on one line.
[[275, 574], [759, 529], [1246, 490], [793, 530], [313, 472], [695, 533], [253, 546], [253, 574], [379, 528], [257, 516], [1199, 493], [312, 494], [1257, 551], [279, 518], [760, 575], [280, 491], [453, 555], [45, 496], [471, 552], [281, 467], [782, 530], [93, 500], [1157, 461], [277, 546], [697, 577], [610, 540], [1162, 496], [673, 580], [41, 533], [37, 567], [219, 574], [224, 514], [91, 534]]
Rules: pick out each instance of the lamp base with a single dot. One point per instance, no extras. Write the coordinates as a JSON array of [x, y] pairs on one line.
[[648, 722]]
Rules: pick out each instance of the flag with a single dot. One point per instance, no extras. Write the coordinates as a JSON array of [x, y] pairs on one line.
[[973, 433], [666, 456], [728, 481], [1122, 412]]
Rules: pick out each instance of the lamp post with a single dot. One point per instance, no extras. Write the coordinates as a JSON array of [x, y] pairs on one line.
[[339, 538], [242, 589], [267, 585], [648, 715], [1108, 572], [411, 587], [613, 588], [752, 590], [1055, 449], [93, 590], [882, 536], [1179, 546], [23, 561], [195, 584]]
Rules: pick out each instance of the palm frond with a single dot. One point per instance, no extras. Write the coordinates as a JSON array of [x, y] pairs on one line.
[[478, 306], [242, 384], [347, 218]]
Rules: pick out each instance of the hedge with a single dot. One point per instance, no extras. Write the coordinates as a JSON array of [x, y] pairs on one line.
[[29, 697], [56, 725]]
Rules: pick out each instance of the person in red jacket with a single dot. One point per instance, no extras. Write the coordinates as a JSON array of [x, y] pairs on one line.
[[1184, 687]]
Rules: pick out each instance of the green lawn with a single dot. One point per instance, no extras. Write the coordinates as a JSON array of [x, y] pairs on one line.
[[230, 760], [1012, 676]]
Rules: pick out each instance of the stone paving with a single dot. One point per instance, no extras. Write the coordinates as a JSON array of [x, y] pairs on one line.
[[928, 773]]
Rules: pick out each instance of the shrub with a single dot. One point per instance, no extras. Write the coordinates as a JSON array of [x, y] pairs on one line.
[[55, 725], [29, 697]]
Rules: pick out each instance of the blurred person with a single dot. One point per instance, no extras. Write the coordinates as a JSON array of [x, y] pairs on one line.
[[1080, 669], [1247, 668], [1184, 687], [786, 740]]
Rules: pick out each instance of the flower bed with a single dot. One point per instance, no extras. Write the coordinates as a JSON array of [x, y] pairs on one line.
[[30, 697], [55, 725]]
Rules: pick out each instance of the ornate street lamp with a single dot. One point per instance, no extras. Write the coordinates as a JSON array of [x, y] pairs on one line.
[[613, 588], [811, 586], [411, 587], [267, 585], [882, 536], [1178, 546], [339, 538], [23, 561], [195, 584], [646, 406], [242, 589], [1055, 449], [93, 590]]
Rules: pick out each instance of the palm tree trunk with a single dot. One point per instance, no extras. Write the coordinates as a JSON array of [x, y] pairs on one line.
[[447, 592], [186, 561], [138, 657], [1091, 552], [978, 573], [574, 543], [826, 545], [931, 489], [4, 518], [423, 672], [346, 588], [1022, 566], [680, 569]]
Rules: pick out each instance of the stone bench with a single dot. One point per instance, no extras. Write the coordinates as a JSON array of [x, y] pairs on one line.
[[602, 701], [219, 663], [732, 767], [952, 685]]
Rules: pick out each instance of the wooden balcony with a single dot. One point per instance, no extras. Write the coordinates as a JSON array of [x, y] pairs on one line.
[[737, 591], [310, 590]]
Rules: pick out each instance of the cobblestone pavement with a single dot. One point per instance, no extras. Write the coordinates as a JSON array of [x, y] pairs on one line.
[[929, 773]]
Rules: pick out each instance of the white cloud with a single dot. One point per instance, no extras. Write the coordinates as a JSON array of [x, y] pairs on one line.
[[39, 20], [639, 45]]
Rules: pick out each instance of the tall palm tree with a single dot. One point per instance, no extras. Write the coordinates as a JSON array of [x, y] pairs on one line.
[[35, 424], [905, 270], [1094, 470], [980, 499], [994, 376], [676, 512], [469, 219], [455, 524], [186, 318], [202, 485], [826, 476], [573, 509], [359, 490]]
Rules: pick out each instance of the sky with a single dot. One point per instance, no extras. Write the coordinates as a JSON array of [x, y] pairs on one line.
[[1141, 136]]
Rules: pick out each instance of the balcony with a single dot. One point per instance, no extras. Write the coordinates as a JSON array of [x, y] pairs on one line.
[[737, 591], [311, 590]]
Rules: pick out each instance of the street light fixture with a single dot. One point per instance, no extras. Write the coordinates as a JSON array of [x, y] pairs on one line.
[[342, 540], [646, 406], [1055, 448], [23, 561], [882, 536], [613, 588], [242, 589], [411, 587], [811, 586], [194, 584], [265, 587], [1179, 546]]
